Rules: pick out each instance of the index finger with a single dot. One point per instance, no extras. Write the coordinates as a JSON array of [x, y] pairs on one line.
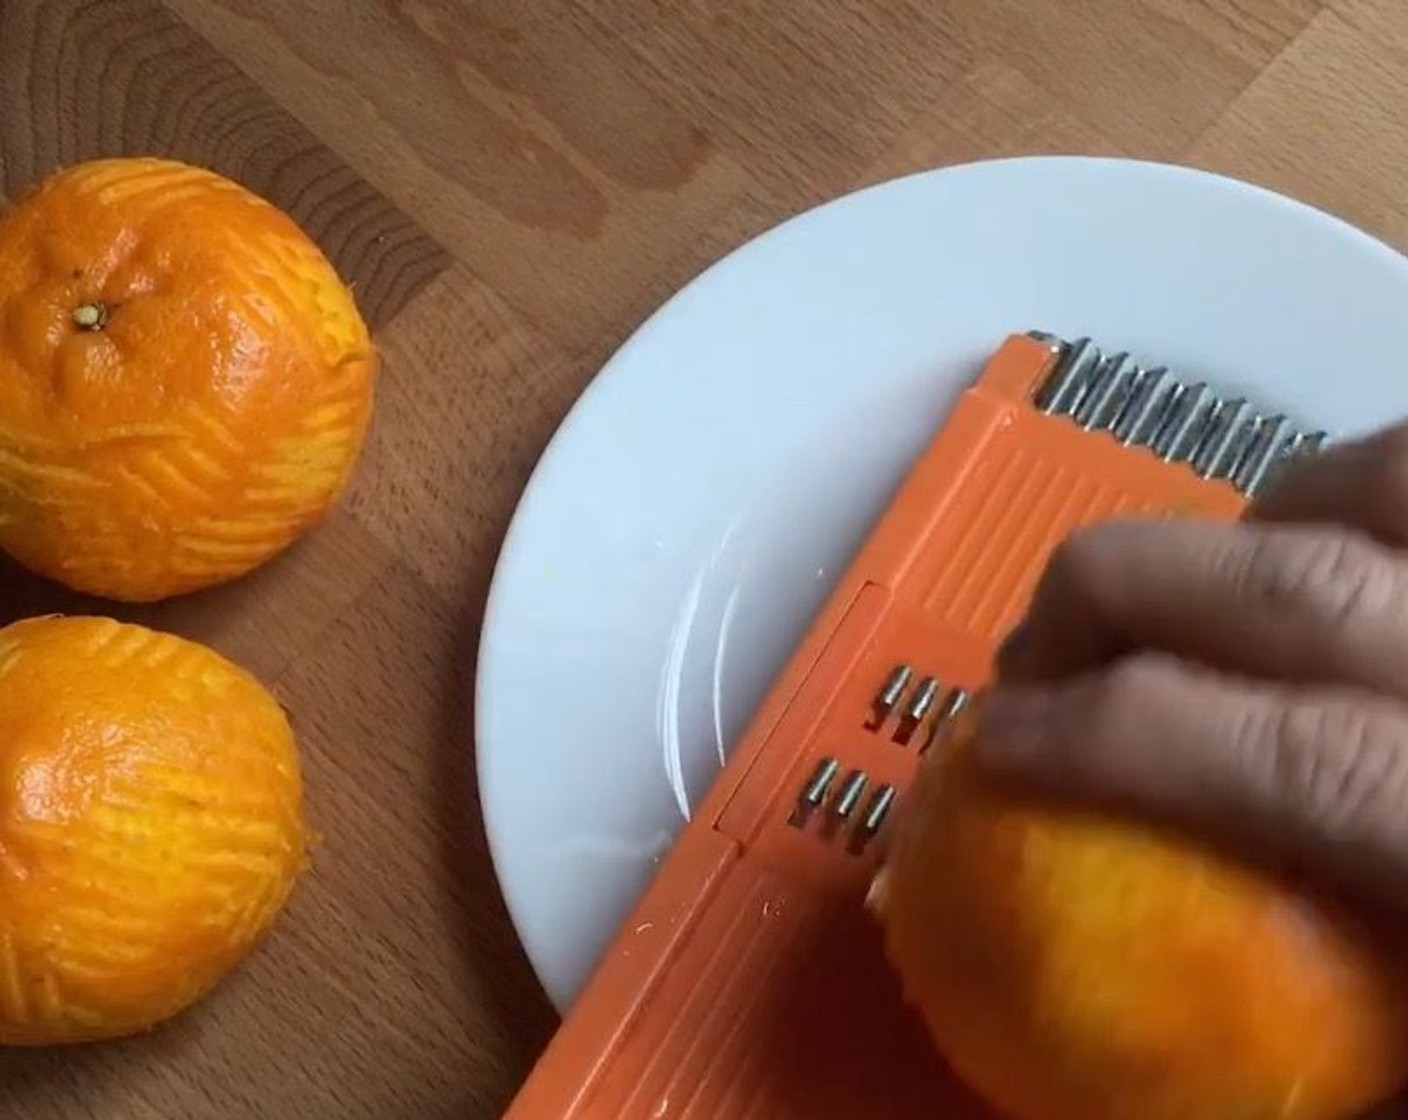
[[1313, 779], [1291, 603], [1361, 484]]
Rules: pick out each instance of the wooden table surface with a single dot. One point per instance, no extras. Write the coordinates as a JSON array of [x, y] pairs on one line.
[[513, 185]]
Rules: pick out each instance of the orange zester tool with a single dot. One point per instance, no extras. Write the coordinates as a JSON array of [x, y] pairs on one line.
[[749, 981]]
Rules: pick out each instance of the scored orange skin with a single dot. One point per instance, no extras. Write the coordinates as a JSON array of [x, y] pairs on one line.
[[211, 417], [151, 826], [1071, 966]]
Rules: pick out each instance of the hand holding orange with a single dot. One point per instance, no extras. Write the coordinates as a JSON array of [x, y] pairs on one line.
[[185, 382], [1072, 966], [151, 826]]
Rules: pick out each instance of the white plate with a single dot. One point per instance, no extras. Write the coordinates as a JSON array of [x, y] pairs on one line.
[[692, 512]]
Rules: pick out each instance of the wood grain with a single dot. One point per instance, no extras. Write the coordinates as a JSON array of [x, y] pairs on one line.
[[513, 186], [1324, 121], [125, 77], [555, 216]]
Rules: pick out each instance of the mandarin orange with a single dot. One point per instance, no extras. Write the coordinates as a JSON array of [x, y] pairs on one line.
[[1075, 966], [185, 382], [151, 826]]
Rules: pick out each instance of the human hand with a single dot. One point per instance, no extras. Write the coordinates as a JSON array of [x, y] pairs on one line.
[[1248, 680]]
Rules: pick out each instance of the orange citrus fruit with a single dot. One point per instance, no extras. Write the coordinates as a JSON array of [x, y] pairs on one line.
[[185, 382], [151, 826], [1074, 966]]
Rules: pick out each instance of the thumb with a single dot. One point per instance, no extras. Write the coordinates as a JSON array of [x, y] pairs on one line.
[[1317, 779]]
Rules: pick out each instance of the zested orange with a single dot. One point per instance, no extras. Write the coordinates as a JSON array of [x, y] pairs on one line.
[[151, 826], [1072, 966], [185, 381]]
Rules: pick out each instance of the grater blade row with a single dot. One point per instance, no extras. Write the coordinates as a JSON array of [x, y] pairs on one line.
[[1181, 421]]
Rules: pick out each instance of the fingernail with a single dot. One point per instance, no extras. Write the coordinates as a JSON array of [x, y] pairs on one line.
[[1014, 727]]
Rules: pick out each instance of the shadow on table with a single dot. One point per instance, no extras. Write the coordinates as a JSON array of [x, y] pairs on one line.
[[524, 1017], [34, 1079], [23, 595]]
